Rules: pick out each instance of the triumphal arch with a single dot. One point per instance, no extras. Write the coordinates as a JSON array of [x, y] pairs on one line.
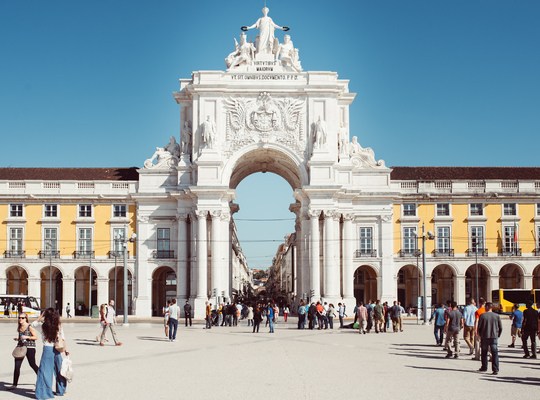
[[264, 113]]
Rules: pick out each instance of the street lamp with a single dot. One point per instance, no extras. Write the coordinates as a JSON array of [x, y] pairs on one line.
[[125, 243], [476, 267], [49, 245], [424, 297]]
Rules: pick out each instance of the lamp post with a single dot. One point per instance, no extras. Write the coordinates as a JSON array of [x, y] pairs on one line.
[[125, 243], [476, 267], [90, 283], [424, 297], [49, 245]]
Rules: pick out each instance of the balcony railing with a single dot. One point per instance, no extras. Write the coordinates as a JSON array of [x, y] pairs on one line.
[[15, 254], [49, 254], [516, 252], [479, 252], [365, 253], [443, 253], [410, 253], [116, 254], [83, 254], [163, 254]]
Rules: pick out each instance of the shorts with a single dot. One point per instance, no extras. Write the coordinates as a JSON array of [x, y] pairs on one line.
[[515, 331]]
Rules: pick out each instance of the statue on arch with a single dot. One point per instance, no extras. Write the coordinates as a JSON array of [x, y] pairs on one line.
[[288, 55], [343, 141], [186, 139], [208, 132], [266, 39], [243, 54], [319, 134]]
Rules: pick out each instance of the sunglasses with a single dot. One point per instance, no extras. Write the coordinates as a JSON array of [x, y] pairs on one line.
[[22, 317]]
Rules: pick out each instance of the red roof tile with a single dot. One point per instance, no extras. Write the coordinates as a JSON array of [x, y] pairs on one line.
[[70, 174], [464, 173]]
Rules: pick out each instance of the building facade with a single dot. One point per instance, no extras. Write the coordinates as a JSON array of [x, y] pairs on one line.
[[360, 225]]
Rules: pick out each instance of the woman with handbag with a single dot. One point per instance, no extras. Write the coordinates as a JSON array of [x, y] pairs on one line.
[[52, 334], [26, 347]]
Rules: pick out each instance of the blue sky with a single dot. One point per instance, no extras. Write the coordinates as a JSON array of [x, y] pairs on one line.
[[438, 82]]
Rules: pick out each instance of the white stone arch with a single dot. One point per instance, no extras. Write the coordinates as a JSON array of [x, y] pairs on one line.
[[265, 158], [485, 273], [512, 282], [17, 285], [161, 289], [443, 288], [51, 296], [366, 285]]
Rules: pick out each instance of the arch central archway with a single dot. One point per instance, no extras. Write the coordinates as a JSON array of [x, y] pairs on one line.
[[269, 158]]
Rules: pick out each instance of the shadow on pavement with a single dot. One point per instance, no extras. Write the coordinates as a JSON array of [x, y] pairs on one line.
[[29, 393], [514, 379], [444, 369], [154, 338]]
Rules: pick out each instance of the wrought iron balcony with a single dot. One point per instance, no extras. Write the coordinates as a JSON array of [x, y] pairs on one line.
[[443, 253], [365, 253], [83, 254], [49, 254], [410, 253], [15, 254], [117, 254], [479, 252], [163, 254], [516, 252]]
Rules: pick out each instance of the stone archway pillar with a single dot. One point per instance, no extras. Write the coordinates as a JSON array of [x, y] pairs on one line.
[[201, 269], [34, 288], [215, 246], [492, 284], [103, 291], [331, 266], [68, 294], [528, 282], [348, 272], [459, 289], [314, 259], [182, 263], [3, 285], [225, 254]]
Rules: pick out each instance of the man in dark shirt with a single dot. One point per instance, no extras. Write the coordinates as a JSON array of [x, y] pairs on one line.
[[187, 313], [489, 330], [529, 329], [454, 324]]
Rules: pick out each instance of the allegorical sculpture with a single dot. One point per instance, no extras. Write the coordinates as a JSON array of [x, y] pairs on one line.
[[265, 49], [186, 139], [164, 157], [208, 133], [319, 134], [266, 39], [361, 156]]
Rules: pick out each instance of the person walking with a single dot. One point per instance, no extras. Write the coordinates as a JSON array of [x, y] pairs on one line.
[[439, 323], [270, 316], [109, 322], [454, 324], [341, 314], [301, 315], [529, 329], [477, 339], [285, 312], [330, 315], [174, 316], [68, 311], [187, 313], [395, 314], [257, 318], [250, 316], [468, 324], [517, 323], [26, 337], [361, 317], [208, 315], [48, 324], [378, 316], [489, 330], [166, 318]]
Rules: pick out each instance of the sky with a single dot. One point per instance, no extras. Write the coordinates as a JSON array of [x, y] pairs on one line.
[[438, 83]]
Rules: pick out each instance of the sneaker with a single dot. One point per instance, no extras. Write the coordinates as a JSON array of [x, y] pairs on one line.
[[526, 356], [449, 355], [118, 344], [495, 373], [102, 344], [482, 370], [534, 357], [511, 345], [456, 356]]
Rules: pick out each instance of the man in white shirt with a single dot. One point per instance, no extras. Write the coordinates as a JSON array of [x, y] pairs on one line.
[[110, 321], [174, 316]]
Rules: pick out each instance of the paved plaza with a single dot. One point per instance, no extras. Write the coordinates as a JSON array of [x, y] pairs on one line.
[[233, 363]]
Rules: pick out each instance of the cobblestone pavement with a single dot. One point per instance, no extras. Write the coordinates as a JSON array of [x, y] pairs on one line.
[[233, 363]]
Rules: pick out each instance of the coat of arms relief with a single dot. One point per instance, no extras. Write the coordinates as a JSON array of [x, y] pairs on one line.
[[264, 120]]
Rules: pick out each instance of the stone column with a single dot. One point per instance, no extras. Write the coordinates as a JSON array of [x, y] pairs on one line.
[[348, 248], [143, 279], [3, 285], [225, 245], [103, 291], [528, 282], [331, 270], [304, 255], [182, 262], [459, 290], [68, 294], [202, 256], [34, 289], [215, 246], [493, 284], [297, 259], [315, 272]]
